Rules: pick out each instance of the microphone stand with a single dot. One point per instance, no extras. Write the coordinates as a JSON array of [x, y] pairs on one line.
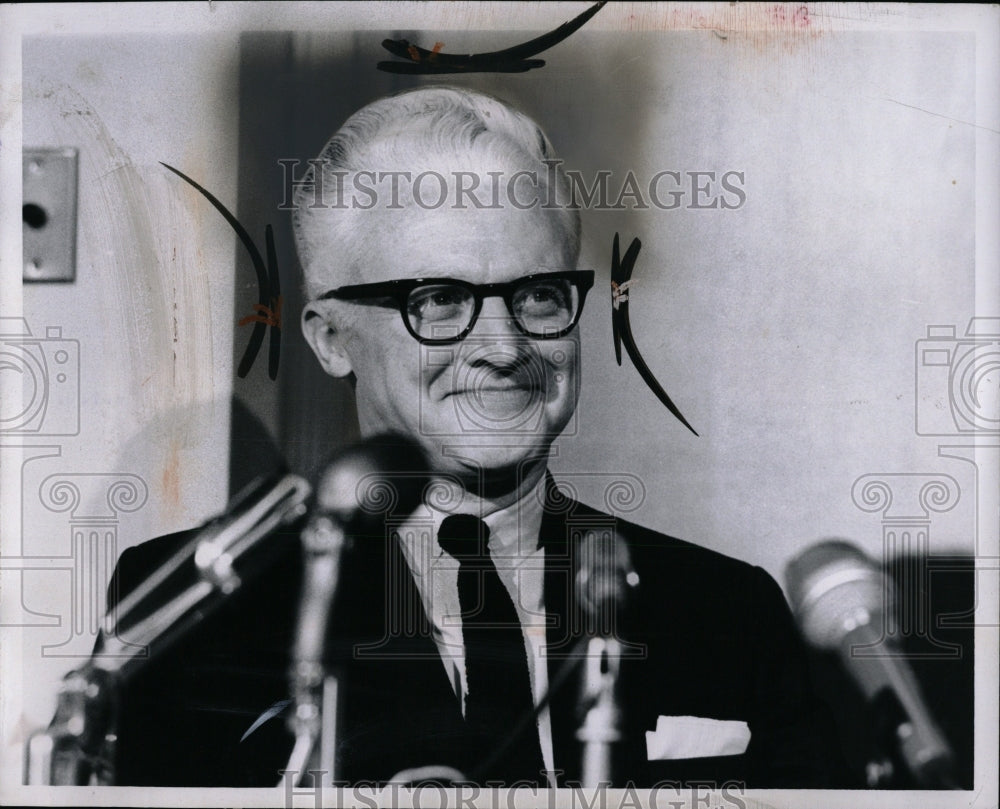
[[353, 497], [842, 600], [78, 746], [904, 758], [315, 691], [601, 728], [604, 580]]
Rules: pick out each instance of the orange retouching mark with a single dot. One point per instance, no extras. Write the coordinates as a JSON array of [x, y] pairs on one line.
[[508, 60], [268, 315], [416, 56], [268, 287], [171, 478]]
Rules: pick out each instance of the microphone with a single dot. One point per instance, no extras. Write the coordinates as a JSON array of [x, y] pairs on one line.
[[358, 488], [604, 576], [841, 599], [222, 555]]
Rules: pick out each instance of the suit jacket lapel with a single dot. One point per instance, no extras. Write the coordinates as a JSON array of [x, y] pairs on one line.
[[563, 633], [400, 657], [563, 523], [406, 713]]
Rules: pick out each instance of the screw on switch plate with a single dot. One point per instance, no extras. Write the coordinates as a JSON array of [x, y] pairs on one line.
[[49, 214]]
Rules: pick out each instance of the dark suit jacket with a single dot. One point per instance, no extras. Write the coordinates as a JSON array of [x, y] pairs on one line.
[[715, 639]]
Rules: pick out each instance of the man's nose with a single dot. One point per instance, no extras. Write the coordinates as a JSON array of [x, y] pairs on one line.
[[495, 320], [496, 331]]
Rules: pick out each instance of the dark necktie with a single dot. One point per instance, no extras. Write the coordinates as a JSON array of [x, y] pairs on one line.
[[499, 701]]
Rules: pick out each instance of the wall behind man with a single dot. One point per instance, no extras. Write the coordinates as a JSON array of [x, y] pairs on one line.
[[152, 300], [784, 328], [150, 318]]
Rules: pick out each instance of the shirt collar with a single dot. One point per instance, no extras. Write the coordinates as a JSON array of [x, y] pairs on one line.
[[514, 529]]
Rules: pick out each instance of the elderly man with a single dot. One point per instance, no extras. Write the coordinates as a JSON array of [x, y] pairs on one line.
[[450, 296]]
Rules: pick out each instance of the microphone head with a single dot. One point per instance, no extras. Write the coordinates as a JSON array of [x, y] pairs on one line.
[[834, 588], [605, 578], [368, 481]]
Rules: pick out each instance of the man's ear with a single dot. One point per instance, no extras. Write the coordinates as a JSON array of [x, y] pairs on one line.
[[325, 341]]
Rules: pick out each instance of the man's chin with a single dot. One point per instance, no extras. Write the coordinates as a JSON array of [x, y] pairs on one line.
[[485, 465]]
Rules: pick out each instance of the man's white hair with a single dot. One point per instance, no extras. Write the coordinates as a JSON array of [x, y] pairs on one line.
[[429, 129]]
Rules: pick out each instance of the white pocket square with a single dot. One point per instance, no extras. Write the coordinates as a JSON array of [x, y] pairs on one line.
[[696, 737]]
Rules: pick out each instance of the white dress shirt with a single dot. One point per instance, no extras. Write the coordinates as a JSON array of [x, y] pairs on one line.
[[520, 564]]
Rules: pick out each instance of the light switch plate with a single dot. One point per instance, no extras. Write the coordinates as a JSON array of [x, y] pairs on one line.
[[49, 214]]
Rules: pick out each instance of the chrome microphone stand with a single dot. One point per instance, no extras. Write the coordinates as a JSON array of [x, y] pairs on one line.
[[354, 496], [601, 728], [77, 748], [605, 581], [315, 691]]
